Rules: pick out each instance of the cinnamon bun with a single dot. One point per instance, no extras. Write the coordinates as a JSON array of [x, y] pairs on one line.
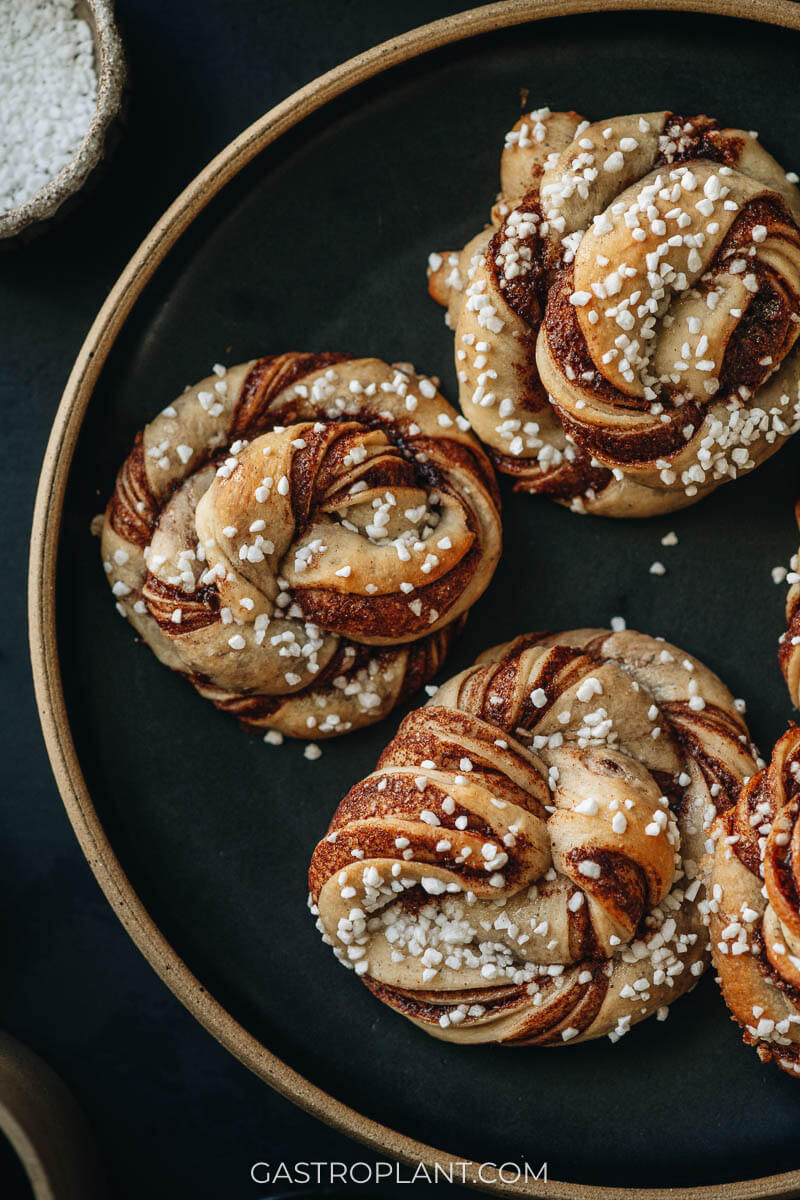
[[301, 536], [523, 864], [789, 641], [626, 329], [754, 907]]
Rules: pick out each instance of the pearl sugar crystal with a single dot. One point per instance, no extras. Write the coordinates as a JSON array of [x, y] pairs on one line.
[[48, 93]]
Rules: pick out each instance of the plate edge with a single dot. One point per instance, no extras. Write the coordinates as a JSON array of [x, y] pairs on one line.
[[44, 548]]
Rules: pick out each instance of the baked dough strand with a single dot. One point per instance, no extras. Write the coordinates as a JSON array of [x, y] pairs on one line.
[[626, 330], [523, 864], [754, 907], [301, 536]]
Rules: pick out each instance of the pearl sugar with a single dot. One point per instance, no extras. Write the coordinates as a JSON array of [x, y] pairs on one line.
[[48, 86]]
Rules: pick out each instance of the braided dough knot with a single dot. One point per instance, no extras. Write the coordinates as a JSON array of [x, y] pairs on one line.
[[789, 641], [782, 882], [754, 910], [518, 866], [625, 337], [266, 536]]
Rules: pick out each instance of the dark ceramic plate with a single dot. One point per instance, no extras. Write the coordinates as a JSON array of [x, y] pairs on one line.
[[321, 243]]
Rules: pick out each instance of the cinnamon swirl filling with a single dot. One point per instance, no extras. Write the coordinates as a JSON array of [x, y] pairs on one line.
[[301, 536], [521, 866], [626, 337]]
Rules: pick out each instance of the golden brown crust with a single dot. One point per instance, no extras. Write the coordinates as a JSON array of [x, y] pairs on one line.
[[521, 866], [301, 536], [754, 907], [626, 335], [789, 642]]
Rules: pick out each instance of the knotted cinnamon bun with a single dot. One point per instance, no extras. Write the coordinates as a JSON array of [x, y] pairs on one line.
[[626, 329], [522, 865], [754, 907], [301, 535], [789, 647]]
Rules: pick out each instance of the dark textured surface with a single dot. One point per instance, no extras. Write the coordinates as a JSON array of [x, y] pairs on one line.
[[174, 1114], [321, 244]]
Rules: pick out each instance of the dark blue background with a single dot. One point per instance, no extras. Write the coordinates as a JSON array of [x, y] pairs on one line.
[[174, 1114]]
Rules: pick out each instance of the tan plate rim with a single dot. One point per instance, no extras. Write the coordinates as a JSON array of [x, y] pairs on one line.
[[44, 545]]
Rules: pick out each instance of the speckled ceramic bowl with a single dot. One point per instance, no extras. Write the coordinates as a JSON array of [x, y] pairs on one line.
[[49, 1140], [110, 65]]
